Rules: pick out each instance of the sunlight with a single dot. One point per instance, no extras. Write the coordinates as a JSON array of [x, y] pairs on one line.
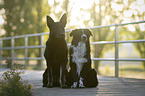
[[87, 16], [85, 5], [97, 9], [128, 13], [136, 18], [131, 28], [51, 2], [107, 17], [142, 27], [79, 10], [91, 23], [2, 32], [2, 20], [102, 7], [112, 28], [78, 16], [58, 9], [125, 20], [116, 7], [125, 2], [140, 2]]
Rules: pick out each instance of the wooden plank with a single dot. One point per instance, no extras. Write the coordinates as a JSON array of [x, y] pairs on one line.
[[110, 86]]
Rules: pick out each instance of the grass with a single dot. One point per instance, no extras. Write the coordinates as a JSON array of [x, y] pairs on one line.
[[127, 71], [132, 72]]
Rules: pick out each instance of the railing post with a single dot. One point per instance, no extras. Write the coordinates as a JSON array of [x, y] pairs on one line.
[[116, 51], [1, 46], [12, 51], [42, 50], [26, 52]]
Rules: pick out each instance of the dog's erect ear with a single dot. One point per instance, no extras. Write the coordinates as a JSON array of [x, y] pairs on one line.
[[89, 33], [63, 20], [50, 21], [72, 33]]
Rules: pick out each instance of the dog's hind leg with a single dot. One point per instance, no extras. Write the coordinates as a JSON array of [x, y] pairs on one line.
[[45, 76]]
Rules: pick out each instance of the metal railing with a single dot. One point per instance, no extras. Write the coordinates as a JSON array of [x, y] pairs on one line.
[[42, 46]]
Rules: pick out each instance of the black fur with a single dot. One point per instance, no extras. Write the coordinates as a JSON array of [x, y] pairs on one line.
[[56, 54], [87, 73]]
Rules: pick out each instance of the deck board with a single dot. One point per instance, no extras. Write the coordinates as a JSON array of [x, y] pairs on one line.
[[108, 86]]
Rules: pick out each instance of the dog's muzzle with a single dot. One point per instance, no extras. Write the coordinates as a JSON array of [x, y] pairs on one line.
[[83, 37]]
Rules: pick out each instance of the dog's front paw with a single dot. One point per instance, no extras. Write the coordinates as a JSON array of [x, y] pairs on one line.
[[81, 84], [74, 85]]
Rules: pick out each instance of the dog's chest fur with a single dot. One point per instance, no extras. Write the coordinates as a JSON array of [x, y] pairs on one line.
[[78, 55]]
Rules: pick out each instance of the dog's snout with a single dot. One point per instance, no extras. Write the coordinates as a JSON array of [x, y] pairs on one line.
[[62, 34], [84, 38]]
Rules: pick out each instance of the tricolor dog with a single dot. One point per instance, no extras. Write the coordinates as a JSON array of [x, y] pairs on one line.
[[80, 60]]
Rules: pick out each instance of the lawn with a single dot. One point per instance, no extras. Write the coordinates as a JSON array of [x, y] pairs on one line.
[[125, 70]]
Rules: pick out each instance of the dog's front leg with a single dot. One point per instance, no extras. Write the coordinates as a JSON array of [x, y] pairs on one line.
[[62, 77], [50, 77], [75, 76]]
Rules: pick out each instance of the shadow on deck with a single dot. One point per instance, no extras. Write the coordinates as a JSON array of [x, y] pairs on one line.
[[107, 86]]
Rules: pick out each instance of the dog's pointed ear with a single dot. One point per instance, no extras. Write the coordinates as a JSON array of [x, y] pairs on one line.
[[72, 33], [88, 32], [50, 21], [63, 20]]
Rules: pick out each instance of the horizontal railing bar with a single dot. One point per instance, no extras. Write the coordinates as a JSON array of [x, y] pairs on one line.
[[102, 42], [130, 23], [103, 59], [68, 30], [93, 59], [113, 42], [92, 43], [15, 58], [121, 24], [132, 41], [38, 34], [130, 59], [22, 47], [39, 46], [22, 36], [95, 27], [113, 59]]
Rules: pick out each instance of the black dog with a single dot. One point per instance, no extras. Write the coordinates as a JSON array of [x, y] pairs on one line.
[[80, 60], [56, 54]]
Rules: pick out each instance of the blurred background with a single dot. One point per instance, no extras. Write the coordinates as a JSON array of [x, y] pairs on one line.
[[21, 17]]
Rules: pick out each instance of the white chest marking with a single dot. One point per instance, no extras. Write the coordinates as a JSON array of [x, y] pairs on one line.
[[78, 55]]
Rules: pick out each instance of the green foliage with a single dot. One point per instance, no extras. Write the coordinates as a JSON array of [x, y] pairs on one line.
[[8, 61], [12, 84]]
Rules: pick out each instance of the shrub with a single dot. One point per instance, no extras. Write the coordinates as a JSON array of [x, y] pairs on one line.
[[12, 84]]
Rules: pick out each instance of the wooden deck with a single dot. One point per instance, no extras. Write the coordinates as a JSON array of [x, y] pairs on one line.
[[108, 86]]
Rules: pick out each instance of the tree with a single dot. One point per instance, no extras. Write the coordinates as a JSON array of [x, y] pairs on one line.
[[133, 11], [99, 11], [24, 17]]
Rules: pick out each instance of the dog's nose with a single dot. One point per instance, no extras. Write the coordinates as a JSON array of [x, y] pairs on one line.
[[84, 38], [62, 34]]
